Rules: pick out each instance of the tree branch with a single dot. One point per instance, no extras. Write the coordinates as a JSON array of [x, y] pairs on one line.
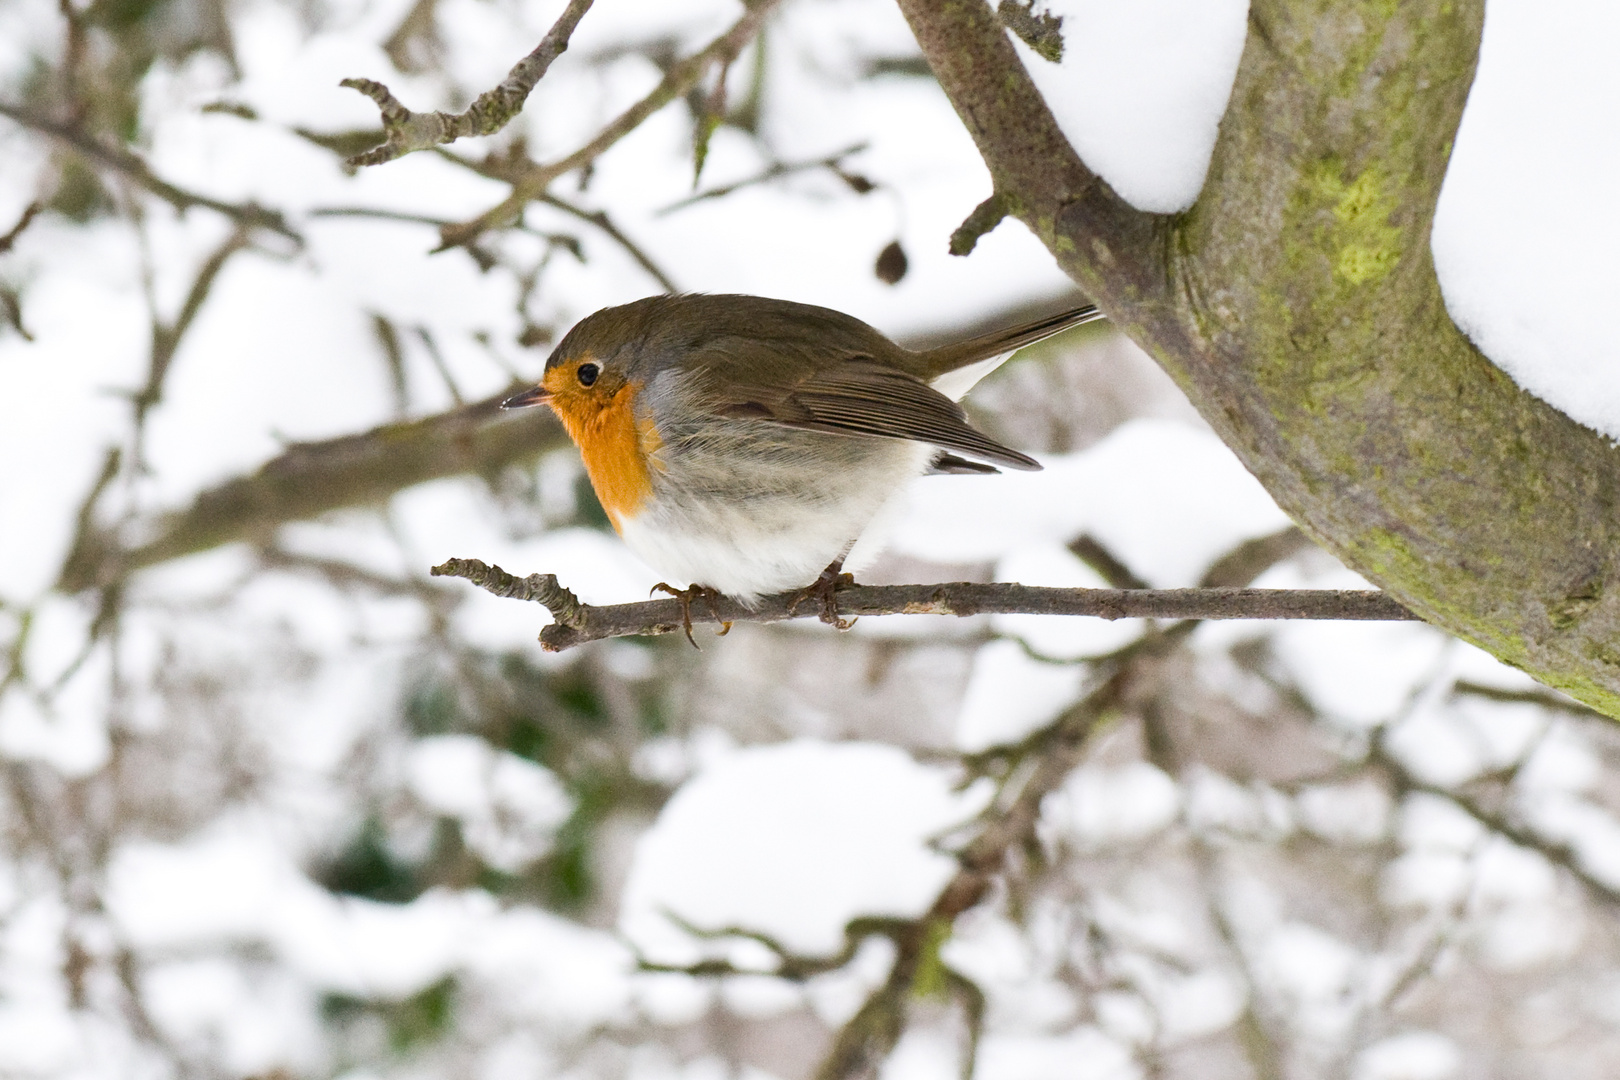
[[1546, 699], [133, 167], [166, 337], [408, 131], [577, 623], [30, 212], [680, 78], [1296, 303], [1030, 770], [1034, 171], [775, 171], [1557, 852], [600, 219], [309, 479]]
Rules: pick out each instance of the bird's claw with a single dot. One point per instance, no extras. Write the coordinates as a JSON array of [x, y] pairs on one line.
[[824, 590], [709, 596]]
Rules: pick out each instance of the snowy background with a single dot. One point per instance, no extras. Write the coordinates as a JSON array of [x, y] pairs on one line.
[[288, 807]]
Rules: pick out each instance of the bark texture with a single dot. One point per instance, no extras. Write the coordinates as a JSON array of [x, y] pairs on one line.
[[1296, 304]]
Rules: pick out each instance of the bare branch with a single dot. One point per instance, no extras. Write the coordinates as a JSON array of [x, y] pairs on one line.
[[1251, 558], [576, 623], [984, 218], [1547, 699], [309, 479], [597, 218], [1110, 567], [1254, 1027], [28, 215], [166, 338], [791, 966], [133, 167], [779, 169], [1557, 852], [409, 131], [600, 219], [680, 78]]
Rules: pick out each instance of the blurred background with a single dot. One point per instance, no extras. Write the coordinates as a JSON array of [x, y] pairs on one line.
[[275, 803]]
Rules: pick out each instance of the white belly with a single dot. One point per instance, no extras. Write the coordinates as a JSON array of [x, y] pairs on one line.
[[748, 545]]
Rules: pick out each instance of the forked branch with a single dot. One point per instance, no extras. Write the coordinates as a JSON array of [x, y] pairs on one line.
[[682, 77], [408, 131]]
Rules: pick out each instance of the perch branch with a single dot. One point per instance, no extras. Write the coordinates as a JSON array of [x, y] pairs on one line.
[[407, 131], [577, 623]]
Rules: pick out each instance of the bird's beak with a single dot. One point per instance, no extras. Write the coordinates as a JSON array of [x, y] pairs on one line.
[[534, 395]]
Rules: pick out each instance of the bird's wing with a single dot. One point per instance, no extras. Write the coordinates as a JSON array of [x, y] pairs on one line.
[[858, 397]]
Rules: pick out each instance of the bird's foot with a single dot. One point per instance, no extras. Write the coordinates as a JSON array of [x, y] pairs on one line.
[[710, 597], [824, 590]]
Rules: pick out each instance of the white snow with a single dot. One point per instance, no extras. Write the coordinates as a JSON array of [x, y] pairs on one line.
[[1141, 89], [1011, 694], [1528, 225], [508, 806], [792, 840], [1411, 1055], [1167, 498]]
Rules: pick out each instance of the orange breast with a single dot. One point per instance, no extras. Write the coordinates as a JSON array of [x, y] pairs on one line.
[[617, 451]]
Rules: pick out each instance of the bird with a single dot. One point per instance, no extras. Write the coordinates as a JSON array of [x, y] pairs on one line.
[[744, 443]]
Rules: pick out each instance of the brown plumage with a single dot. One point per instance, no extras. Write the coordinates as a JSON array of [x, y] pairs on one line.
[[743, 442]]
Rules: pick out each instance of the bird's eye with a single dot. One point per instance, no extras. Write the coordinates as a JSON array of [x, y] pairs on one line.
[[588, 373]]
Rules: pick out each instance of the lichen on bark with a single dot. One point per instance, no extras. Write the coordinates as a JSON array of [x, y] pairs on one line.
[[1296, 303]]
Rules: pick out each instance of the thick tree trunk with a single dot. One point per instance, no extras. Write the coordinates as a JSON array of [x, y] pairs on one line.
[[1297, 305]]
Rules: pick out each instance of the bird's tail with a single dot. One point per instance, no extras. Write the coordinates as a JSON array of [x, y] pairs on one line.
[[998, 343]]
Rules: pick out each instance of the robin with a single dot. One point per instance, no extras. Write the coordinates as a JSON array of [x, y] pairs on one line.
[[743, 443]]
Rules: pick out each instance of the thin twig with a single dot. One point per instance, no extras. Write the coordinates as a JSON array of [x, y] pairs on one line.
[[597, 218], [1249, 559], [1546, 699], [680, 78], [774, 172], [28, 215], [1254, 1027], [577, 623], [166, 337], [1556, 852], [1110, 567], [135, 168], [600, 219], [791, 966], [408, 131]]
